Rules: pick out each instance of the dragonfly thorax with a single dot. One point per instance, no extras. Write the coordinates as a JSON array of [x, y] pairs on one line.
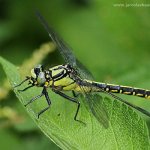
[[62, 77]]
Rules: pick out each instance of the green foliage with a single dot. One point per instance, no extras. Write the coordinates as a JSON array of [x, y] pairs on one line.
[[113, 42], [126, 129]]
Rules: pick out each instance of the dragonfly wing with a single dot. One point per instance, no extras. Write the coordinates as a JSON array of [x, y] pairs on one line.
[[61, 45], [83, 71], [65, 50], [95, 102]]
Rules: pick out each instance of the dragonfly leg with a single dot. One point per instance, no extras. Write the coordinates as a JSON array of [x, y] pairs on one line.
[[27, 78], [33, 99], [25, 88], [45, 93], [72, 100], [75, 94]]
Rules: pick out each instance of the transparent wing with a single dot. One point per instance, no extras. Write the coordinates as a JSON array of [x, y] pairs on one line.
[[61, 45], [95, 104], [65, 50], [94, 101]]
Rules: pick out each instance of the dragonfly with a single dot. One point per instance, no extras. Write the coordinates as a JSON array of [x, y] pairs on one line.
[[75, 77]]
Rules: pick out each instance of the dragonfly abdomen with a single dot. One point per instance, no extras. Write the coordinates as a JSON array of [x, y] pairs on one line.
[[121, 89]]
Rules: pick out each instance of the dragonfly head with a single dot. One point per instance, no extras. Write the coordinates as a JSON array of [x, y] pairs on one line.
[[37, 76]]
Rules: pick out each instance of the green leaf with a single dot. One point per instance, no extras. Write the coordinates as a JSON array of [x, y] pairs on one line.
[[126, 129]]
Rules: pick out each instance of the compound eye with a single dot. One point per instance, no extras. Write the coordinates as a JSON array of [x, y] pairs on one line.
[[33, 74], [37, 71]]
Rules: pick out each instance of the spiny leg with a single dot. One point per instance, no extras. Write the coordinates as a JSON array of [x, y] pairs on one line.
[[25, 88], [33, 99], [72, 100], [44, 92], [27, 78]]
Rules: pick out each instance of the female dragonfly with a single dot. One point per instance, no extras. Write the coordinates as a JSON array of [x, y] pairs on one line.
[[73, 76]]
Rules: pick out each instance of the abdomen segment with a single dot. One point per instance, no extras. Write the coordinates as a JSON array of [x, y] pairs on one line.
[[121, 89]]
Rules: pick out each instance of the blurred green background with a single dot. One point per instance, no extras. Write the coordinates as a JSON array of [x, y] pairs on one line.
[[112, 41]]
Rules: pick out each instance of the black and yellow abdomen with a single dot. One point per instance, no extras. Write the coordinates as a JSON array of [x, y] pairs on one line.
[[121, 89]]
